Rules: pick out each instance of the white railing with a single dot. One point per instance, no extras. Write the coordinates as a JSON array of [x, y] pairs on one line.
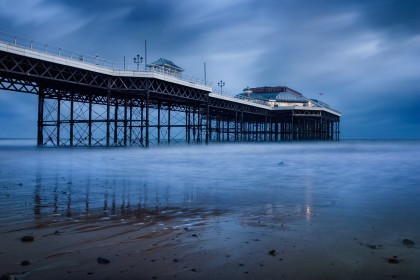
[[86, 58], [253, 100]]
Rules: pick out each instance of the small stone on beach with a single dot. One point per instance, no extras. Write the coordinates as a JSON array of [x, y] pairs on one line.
[[272, 253], [25, 263], [393, 260], [103, 260], [27, 238], [408, 243], [371, 246]]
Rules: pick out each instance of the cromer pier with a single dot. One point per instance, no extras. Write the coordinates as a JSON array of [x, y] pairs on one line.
[[84, 100]]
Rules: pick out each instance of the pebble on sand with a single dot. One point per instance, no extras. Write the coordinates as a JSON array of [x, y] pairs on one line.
[[103, 260], [25, 263], [272, 253], [393, 260], [27, 238], [408, 242]]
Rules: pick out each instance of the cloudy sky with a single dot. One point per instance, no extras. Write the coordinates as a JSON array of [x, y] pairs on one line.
[[362, 57]]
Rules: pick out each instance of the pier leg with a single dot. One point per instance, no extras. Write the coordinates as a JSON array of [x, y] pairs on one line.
[[40, 140], [125, 121], [147, 114], [242, 126], [116, 123], [158, 123], [90, 122], [130, 133], [208, 123], [71, 119], [236, 126], [169, 124], [58, 118], [194, 122], [332, 130], [257, 134], [218, 128], [208, 131], [142, 123], [108, 113], [227, 129]]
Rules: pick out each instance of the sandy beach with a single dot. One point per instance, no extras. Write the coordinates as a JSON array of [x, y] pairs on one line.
[[176, 244], [111, 214]]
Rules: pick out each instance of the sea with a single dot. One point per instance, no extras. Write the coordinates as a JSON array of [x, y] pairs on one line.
[[355, 183]]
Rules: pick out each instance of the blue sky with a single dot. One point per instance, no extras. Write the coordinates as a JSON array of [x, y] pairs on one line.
[[363, 56]]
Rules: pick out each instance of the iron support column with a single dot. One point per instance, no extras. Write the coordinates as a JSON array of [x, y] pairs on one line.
[[194, 127], [58, 118], [71, 119], [108, 113], [169, 124], [142, 122], [130, 136], [227, 129], [90, 122], [147, 112], [187, 125], [236, 125], [40, 135], [125, 121], [116, 123], [158, 124], [207, 122]]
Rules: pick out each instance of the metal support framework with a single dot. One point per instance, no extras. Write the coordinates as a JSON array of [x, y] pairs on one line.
[[78, 107]]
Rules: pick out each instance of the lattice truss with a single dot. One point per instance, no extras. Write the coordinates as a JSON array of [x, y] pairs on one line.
[[18, 85], [66, 122], [51, 71], [70, 123], [169, 124], [239, 128]]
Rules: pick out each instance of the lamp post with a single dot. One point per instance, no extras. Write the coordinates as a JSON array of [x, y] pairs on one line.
[[137, 60], [248, 92], [221, 84]]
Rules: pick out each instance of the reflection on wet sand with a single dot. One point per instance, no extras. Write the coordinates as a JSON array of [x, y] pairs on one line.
[[211, 213], [122, 199], [59, 200]]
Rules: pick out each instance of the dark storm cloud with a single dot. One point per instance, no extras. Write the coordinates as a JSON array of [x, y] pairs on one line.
[[359, 54], [393, 15]]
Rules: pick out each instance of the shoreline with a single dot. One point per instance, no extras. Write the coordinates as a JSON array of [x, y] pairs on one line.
[[220, 246]]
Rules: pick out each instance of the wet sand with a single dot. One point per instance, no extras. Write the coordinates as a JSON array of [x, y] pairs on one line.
[[194, 244], [292, 211]]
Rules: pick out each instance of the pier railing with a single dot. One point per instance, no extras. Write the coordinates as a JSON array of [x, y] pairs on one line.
[[29, 44]]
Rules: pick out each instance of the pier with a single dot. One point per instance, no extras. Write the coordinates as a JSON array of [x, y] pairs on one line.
[[84, 100]]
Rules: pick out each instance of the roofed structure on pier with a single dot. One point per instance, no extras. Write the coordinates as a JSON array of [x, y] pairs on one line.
[[279, 96], [166, 66]]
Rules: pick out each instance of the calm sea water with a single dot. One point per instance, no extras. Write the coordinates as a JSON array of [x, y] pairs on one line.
[[355, 182]]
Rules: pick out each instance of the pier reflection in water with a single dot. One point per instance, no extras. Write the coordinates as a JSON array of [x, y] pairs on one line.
[[265, 184]]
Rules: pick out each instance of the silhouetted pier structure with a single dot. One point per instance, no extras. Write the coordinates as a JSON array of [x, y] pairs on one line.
[[88, 101]]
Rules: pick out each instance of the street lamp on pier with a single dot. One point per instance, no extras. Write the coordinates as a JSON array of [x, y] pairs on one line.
[[137, 60], [221, 84], [248, 92]]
